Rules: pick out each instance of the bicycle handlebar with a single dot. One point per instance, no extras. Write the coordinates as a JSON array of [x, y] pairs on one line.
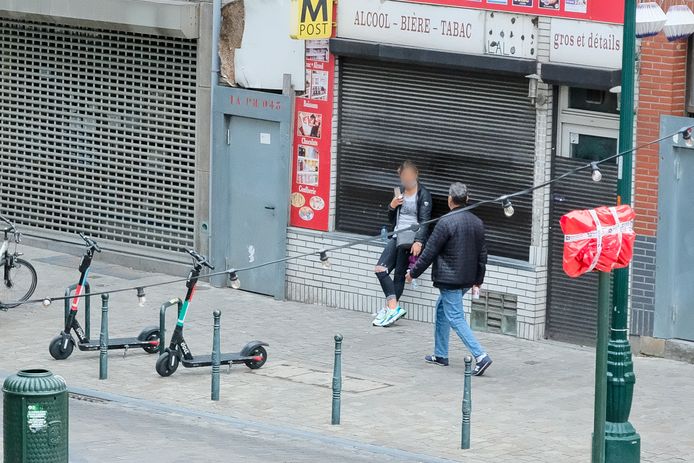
[[91, 244], [200, 259], [8, 222]]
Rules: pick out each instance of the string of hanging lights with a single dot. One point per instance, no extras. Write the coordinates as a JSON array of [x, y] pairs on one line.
[[503, 200]]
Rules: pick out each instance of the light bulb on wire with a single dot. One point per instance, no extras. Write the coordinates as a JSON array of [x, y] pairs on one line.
[[141, 298], [46, 302], [596, 175], [234, 279], [324, 260], [508, 207]]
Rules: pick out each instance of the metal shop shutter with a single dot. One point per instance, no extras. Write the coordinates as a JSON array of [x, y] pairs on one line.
[[478, 129], [572, 303], [97, 133]]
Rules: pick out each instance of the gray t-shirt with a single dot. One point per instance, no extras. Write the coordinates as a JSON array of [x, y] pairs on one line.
[[408, 212]]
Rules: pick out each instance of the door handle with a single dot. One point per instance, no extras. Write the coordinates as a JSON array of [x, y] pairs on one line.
[[270, 208]]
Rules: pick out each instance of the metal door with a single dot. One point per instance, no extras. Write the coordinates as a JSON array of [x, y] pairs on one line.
[[258, 186], [572, 302], [674, 292]]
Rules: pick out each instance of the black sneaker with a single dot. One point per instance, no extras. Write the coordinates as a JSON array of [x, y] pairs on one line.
[[482, 365], [440, 361]]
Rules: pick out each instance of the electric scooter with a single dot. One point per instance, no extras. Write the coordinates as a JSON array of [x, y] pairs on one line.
[[61, 346], [253, 354]]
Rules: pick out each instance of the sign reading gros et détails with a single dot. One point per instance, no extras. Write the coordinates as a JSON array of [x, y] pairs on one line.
[[437, 27], [311, 19], [586, 43]]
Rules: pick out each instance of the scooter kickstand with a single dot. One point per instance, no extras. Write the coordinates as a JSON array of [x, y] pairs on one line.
[[125, 350], [229, 369]]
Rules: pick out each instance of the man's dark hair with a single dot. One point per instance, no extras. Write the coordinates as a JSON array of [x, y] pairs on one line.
[[313, 117], [458, 193]]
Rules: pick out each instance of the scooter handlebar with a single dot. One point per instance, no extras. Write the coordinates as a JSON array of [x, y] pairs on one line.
[[200, 259], [91, 244]]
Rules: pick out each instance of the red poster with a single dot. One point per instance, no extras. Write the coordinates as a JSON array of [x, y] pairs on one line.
[[589, 10], [312, 141]]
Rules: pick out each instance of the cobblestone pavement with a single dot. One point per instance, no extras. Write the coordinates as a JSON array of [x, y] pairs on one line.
[[534, 405]]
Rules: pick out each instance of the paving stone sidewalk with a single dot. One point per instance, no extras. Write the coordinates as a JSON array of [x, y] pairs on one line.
[[534, 405]]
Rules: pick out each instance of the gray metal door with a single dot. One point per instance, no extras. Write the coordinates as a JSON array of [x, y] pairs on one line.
[[258, 184], [572, 302], [674, 294]]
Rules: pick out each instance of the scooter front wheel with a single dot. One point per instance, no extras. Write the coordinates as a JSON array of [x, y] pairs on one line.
[[167, 364], [57, 350]]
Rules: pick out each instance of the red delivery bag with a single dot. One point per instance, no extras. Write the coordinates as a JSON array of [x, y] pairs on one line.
[[598, 239]]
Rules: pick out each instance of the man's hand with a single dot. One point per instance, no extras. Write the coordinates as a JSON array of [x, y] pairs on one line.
[[397, 201], [416, 248], [408, 277]]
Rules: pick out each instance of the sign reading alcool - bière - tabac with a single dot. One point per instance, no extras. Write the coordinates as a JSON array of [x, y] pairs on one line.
[[311, 19]]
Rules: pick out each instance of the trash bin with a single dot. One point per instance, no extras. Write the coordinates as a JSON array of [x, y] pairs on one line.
[[35, 418]]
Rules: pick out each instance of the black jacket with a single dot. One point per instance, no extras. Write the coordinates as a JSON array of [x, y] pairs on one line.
[[424, 206], [457, 249]]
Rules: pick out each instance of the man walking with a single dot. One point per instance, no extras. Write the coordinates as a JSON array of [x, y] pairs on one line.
[[458, 252]]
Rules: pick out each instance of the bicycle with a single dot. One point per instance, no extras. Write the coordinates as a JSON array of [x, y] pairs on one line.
[[19, 276]]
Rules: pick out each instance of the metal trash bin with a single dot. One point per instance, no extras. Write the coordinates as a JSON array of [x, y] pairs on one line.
[[35, 417]]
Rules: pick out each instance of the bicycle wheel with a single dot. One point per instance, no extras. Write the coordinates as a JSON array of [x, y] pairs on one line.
[[18, 284]]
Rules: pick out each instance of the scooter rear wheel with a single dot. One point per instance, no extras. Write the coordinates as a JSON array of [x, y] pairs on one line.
[[166, 364], [55, 348], [152, 348], [257, 352]]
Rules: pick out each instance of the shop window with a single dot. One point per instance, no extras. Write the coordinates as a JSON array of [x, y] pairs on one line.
[[588, 126]]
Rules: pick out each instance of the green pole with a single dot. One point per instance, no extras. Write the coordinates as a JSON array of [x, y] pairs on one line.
[[103, 339], [216, 355], [467, 404], [623, 444], [337, 380], [601, 368]]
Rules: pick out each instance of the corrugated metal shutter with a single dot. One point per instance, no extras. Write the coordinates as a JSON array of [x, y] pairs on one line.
[[97, 133], [573, 302], [478, 129]]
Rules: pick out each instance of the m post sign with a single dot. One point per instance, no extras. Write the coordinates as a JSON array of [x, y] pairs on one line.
[[311, 19]]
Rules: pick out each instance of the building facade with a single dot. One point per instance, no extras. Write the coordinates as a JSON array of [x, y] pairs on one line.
[[501, 100], [105, 125]]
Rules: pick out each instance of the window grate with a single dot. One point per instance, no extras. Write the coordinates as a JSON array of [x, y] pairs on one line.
[[97, 133], [495, 312]]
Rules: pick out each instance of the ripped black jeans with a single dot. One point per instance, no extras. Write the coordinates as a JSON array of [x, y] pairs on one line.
[[394, 260]]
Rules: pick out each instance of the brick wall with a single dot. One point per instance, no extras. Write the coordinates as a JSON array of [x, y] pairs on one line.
[[662, 87]]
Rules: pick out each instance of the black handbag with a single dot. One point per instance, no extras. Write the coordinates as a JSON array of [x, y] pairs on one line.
[[405, 238]]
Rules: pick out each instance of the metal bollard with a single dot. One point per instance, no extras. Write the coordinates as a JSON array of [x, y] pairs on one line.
[[337, 379], [215, 355], [467, 404], [103, 339]]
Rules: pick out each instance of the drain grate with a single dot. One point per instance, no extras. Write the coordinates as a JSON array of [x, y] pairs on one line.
[[88, 398]]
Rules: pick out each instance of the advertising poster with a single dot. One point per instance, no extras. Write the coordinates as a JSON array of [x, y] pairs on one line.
[[588, 10], [312, 139]]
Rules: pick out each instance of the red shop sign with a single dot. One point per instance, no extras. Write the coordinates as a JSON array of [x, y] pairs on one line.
[[311, 155], [608, 11]]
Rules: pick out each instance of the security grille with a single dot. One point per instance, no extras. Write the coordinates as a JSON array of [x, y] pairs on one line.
[[456, 126], [97, 133]]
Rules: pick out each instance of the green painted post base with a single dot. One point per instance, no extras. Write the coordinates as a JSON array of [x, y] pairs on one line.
[[622, 443]]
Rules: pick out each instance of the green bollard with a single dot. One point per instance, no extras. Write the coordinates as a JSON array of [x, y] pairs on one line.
[[216, 355], [103, 339], [337, 379], [35, 418], [467, 404]]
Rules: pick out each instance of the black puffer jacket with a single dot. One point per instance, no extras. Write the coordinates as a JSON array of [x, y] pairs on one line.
[[424, 207], [457, 249]]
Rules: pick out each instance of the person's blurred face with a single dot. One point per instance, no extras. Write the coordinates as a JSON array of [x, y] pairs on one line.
[[408, 178]]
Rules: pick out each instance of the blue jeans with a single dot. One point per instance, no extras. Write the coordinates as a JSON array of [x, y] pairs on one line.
[[449, 314]]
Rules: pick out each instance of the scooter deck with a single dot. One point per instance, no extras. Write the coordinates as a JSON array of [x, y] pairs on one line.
[[114, 343], [206, 360]]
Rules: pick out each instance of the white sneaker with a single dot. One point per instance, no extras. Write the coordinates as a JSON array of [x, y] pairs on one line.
[[380, 317], [393, 315]]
